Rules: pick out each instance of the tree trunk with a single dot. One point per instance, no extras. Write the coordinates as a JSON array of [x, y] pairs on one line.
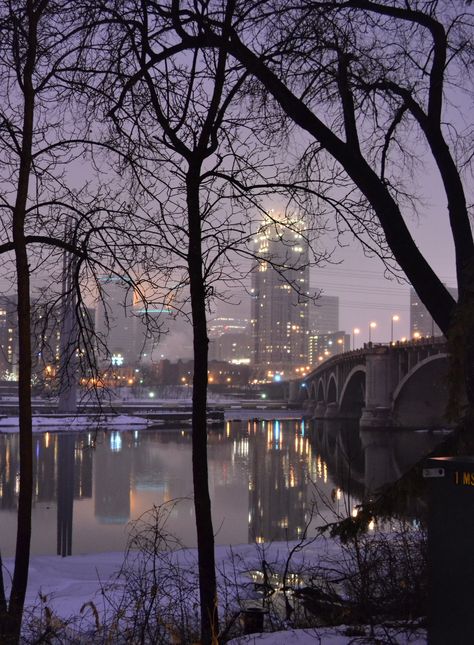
[[202, 502], [10, 622], [11, 616]]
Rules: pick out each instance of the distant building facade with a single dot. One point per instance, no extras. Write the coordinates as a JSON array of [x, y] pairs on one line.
[[323, 346], [280, 295], [231, 347], [150, 325], [8, 337], [46, 331], [227, 325], [324, 315], [421, 321], [114, 321]]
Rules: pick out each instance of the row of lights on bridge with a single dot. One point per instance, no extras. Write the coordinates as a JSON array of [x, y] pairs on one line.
[[373, 325]]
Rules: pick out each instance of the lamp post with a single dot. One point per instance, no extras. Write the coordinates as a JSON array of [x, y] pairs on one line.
[[395, 318], [372, 325], [355, 331]]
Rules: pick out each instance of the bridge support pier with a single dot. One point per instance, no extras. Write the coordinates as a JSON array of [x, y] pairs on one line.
[[319, 410], [380, 467], [332, 410], [294, 391], [378, 390]]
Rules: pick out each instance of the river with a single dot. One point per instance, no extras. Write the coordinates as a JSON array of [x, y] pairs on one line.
[[269, 480]]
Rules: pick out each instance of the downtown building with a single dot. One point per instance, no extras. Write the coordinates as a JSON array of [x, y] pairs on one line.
[[8, 338], [323, 346], [280, 301], [114, 321], [422, 324], [324, 315], [132, 333]]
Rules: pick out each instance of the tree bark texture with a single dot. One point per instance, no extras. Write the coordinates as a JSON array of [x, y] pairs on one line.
[[11, 616], [202, 502]]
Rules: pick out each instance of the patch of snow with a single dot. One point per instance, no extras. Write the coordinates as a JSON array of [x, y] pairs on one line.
[[341, 635], [71, 582], [40, 424]]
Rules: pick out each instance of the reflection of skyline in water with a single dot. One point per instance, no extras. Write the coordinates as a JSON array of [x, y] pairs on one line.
[[264, 478], [279, 463]]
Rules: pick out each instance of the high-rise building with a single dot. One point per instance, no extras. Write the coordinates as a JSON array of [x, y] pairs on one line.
[[114, 322], [227, 325], [8, 336], [280, 294], [421, 321], [231, 347], [45, 337], [151, 323], [323, 346], [324, 315]]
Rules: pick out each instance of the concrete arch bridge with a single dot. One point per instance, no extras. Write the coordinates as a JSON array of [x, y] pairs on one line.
[[404, 385]]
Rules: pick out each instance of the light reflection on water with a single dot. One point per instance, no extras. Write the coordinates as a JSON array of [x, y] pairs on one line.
[[268, 480]]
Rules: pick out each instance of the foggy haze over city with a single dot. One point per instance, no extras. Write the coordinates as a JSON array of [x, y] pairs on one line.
[[365, 292], [236, 310]]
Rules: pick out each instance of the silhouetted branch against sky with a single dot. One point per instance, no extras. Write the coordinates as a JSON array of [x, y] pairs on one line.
[[331, 67], [158, 98]]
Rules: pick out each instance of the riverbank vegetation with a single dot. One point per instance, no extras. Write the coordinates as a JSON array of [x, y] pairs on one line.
[[372, 587], [191, 107]]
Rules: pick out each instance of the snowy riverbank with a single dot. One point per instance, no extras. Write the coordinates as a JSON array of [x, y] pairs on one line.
[[91, 583], [75, 423]]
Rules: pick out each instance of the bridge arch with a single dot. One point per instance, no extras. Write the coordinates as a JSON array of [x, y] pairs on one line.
[[331, 392], [421, 396], [352, 398], [320, 391]]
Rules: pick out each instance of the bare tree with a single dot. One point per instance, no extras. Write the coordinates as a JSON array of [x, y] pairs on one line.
[[364, 79], [198, 169], [43, 145]]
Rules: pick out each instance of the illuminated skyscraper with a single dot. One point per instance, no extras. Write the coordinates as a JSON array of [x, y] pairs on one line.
[[114, 323], [324, 315], [280, 290], [8, 336], [421, 322]]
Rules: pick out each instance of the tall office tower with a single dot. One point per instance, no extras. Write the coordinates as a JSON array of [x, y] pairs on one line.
[[231, 347], [323, 346], [421, 322], [8, 337], [114, 321], [324, 315], [151, 323], [45, 337], [227, 325], [279, 307], [161, 333]]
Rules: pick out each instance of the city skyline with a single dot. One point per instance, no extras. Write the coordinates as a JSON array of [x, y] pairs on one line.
[[364, 293]]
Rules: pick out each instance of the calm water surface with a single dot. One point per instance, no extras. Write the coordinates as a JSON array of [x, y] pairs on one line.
[[268, 479]]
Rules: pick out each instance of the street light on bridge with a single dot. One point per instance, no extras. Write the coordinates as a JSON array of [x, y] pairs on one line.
[[395, 318], [372, 325], [355, 332]]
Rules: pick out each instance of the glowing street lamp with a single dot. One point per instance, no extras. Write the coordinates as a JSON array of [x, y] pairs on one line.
[[372, 325], [395, 318], [355, 332]]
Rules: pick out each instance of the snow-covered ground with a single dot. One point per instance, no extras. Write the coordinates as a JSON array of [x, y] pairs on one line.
[[64, 423], [342, 635], [67, 584], [42, 424]]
